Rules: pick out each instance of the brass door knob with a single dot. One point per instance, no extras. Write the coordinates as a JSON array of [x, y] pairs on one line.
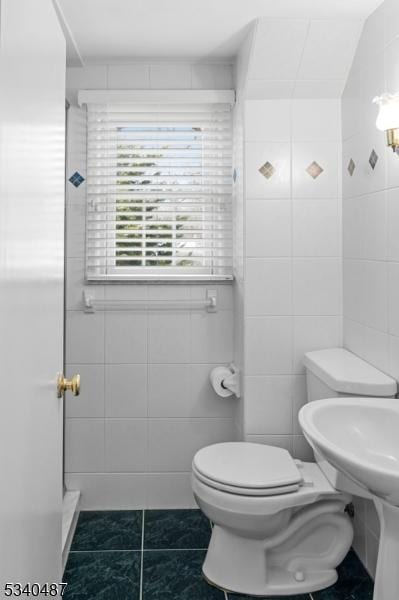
[[64, 384]]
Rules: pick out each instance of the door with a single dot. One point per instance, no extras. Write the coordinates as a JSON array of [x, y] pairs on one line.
[[32, 130]]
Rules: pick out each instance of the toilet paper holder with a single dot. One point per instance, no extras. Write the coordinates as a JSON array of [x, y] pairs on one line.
[[225, 380]]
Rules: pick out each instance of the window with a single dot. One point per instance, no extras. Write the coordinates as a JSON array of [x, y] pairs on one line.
[[159, 191]]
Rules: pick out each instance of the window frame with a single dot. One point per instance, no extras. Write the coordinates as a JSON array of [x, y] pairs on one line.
[[155, 274]]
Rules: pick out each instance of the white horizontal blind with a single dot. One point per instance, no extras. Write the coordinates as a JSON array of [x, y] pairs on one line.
[[159, 191]]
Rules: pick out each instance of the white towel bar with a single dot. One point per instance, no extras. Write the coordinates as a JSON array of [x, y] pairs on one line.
[[91, 304]]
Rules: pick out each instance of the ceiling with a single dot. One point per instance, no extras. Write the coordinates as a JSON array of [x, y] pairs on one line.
[[115, 31]]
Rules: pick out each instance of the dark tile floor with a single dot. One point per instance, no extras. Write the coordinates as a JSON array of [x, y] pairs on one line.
[[158, 555]]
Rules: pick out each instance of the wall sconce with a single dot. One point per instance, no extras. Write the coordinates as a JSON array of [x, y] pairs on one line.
[[388, 118]]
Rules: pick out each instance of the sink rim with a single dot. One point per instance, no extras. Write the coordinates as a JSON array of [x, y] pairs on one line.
[[306, 421]]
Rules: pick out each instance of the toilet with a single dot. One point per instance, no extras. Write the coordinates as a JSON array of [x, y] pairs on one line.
[[279, 524]]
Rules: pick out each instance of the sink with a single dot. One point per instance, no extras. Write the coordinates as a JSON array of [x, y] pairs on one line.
[[360, 438]]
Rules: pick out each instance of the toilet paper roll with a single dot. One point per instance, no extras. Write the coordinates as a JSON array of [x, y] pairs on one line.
[[217, 376]]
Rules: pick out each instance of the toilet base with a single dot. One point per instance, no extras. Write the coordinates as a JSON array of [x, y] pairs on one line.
[[303, 563]]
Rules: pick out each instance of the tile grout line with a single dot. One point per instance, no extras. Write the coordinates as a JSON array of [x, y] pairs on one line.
[[142, 557]]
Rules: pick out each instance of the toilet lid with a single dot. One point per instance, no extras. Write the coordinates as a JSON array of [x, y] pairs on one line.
[[247, 465]]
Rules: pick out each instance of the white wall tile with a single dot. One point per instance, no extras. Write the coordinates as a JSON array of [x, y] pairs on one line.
[[323, 89], [85, 78], [169, 390], [109, 491], [354, 286], [75, 285], [126, 292], [375, 222], [170, 490], [393, 298], [84, 337], [268, 405], [90, 402], [170, 76], [169, 338], [125, 337], [317, 285], [316, 227], [279, 441], [212, 337], [268, 227], [268, 348], [126, 444], [354, 336], [121, 77], [205, 401], [84, 445], [278, 155], [224, 294], [266, 89], [375, 295], [353, 228], [126, 391], [314, 333], [390, 11], [316, 121], [299, 398], [393, 220], [325, 39], [75, 231], [325, 154], [268, 286], [173, 443], [212, 76], [301, 449], [283, 40], [268, 120], [394, 357]]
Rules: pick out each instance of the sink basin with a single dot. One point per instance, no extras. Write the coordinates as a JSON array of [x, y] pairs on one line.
[[360, 438]]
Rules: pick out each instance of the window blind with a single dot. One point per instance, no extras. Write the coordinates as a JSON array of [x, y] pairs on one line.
[[159, 191]]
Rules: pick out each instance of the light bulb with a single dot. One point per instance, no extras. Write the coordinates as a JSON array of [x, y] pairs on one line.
[[388, 116]]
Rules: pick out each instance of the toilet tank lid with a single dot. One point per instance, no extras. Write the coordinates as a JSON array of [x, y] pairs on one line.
[[346, 373]]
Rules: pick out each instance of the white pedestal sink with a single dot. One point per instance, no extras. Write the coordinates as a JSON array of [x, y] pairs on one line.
[[360, 438]]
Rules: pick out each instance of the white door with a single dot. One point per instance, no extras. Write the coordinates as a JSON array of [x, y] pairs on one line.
[[32, 115]]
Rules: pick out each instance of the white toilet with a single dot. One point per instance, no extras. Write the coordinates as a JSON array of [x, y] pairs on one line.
[[279, 526]]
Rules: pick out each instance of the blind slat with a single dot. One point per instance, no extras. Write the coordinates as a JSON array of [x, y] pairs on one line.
[[159, 191]]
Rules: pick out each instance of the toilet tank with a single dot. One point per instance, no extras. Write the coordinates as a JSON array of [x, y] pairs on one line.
[[336, 372]]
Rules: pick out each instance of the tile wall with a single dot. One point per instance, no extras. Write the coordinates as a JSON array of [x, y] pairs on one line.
[[292, 258], [146, 404], [370, 223]]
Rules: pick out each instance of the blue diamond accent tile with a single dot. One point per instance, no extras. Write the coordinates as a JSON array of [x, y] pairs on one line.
[[176, 529], [103, 576], [351, 167], [373, 159], [108, 530], [76, 179]]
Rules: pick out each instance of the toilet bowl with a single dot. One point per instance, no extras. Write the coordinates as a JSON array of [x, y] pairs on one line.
[[279, 527]]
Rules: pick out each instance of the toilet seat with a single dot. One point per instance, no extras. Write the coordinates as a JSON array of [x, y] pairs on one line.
[[247, 469]]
